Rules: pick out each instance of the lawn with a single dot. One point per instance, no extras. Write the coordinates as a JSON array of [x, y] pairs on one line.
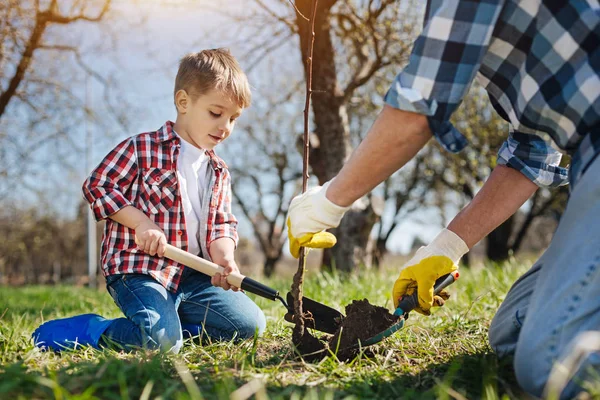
[[445, 356]]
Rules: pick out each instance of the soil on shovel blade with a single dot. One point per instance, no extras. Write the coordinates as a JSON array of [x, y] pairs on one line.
[[363, 321]]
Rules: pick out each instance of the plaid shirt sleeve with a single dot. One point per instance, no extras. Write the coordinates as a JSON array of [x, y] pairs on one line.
[[106, 186], [444, 61], [225, 222], [534, 158]]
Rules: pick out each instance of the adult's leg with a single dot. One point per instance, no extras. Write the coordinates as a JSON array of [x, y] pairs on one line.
[[506, 326], [561, 298], [220, 314], [151, 314]]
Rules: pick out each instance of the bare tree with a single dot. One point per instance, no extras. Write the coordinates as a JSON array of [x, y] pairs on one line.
[[41, 247], [266, 171], [355, 42], [406, 192], [466, 172], [39, 105], [23, 27]]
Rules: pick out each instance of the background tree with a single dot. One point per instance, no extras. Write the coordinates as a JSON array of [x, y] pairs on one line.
[[41, 247], [360, 47], [45, 72], [464, 173], [354, 42], [403, 193], [267, 171]]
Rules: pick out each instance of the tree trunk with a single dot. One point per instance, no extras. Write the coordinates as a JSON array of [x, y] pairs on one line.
[[353, 235], [269, 266], [466, 260], [379, 252], [498, 247], [331, 127]]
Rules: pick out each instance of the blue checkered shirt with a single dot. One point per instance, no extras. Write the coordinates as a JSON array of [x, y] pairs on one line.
[[539, 62]]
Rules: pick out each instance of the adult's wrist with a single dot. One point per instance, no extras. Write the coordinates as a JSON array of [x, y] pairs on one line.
[[334, 195], [449, 244], [329, 212]]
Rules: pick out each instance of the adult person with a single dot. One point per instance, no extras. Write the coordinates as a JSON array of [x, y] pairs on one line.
[[539, 62]]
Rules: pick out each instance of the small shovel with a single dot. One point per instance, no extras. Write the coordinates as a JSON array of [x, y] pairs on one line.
[[325, 318], [407, 304]]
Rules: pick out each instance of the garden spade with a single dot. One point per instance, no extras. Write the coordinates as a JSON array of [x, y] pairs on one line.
[[325, 318], [334, 318], [409, 303]]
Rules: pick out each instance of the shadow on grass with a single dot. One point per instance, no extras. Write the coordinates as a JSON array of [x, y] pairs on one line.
[[110, 375], [471, 376]]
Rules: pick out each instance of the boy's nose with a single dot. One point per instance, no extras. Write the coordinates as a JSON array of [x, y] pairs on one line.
[[226, 127]]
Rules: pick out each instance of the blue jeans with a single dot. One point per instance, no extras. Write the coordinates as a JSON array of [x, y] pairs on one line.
[[158, 319], [558, 298]]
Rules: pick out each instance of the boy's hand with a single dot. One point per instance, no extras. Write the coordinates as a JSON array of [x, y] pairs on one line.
[[150, 238], [220, 280]]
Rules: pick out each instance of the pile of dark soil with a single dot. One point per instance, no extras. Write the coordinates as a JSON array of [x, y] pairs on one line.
[[363, 321]]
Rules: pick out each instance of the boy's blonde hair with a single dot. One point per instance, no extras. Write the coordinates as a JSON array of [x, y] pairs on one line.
[[211, 69]]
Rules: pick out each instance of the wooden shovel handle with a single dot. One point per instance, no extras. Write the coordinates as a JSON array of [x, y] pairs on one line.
[[201, 265]]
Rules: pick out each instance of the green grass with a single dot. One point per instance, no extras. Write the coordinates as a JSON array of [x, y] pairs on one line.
[[445, 356]]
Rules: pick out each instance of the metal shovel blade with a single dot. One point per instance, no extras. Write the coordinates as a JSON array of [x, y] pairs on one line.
[[325, 318]]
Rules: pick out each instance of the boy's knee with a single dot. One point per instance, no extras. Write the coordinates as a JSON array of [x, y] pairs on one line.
[[169, 340], [166, 337], [248, 326]]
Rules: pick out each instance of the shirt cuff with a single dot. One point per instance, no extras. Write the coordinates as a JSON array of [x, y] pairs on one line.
[[105, 206], [232, 234], [534, 158], [409, 99]]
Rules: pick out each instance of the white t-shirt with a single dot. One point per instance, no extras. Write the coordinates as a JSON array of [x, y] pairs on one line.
[[192, 164]]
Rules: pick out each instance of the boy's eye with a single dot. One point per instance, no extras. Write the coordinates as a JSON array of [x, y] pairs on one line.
[[214, 114]]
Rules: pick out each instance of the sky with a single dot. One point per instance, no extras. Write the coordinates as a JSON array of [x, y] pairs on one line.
[[145, 68]]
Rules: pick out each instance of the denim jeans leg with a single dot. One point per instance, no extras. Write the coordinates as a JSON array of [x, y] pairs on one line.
[[506, 326], [221, 314], [566, 296], [151, 314]]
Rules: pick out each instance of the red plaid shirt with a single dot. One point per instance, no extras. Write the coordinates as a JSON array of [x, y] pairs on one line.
[[142, 172]]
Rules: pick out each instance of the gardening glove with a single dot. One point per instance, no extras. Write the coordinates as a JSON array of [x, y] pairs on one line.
[[429, 263], [309, 215]]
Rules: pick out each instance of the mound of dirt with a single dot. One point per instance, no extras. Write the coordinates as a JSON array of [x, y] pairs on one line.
[[363, 321]]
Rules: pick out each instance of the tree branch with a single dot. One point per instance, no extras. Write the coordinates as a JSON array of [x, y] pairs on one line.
[[52, 16], [43, 19]]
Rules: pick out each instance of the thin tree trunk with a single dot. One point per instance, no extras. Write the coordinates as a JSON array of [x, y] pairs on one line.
[[331, 127], [269, 266], [498, 248], [379, 252]]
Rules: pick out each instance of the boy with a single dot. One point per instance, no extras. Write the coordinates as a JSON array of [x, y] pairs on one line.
[[161, 187]]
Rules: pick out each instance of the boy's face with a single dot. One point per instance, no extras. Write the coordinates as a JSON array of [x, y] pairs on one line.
[[207, 120]]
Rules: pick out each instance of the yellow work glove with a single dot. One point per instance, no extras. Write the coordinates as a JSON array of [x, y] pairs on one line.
[[308, 216], [429, 263]]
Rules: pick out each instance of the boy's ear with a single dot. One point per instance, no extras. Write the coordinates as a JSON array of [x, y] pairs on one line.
[[182, 100]]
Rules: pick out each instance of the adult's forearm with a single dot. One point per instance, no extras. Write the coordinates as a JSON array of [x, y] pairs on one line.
[[393, 140], [501, 196], [130, 217]]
